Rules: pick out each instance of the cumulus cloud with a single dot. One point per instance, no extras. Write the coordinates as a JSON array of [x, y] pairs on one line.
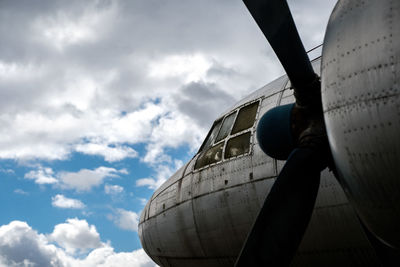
[[85, 179], [42, 176], [188, 67], [163, 172], [60, 201], [113, 189], [106, 257], [125, 219], [110, 154], [82, 180], [67, 85], [20, 245], [76, 235], [69, 28], [90, 92]]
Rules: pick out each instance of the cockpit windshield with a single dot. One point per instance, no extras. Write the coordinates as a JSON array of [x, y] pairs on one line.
[[229, 137]]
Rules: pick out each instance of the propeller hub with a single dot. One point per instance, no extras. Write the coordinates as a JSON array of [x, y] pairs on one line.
[[274, 132]]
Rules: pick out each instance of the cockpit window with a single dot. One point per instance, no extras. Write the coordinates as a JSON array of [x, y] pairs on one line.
[[236, 141], [211, 135], [245, 118], [238, 145], [210, 156], [226, 127]]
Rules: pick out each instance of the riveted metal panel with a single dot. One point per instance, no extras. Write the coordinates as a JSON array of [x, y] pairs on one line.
[[236, 171], [150, 239], [203, 181], [173, 179], [223, 219], [267, 90], [361, 100], [186, 188], [190, 165], [212, 227], [287, 97], [287, 94], [166, 199], [279, 165], [261, 189], [330, 192], [266, 104], [144, 213], [177, 233], [263, 165], [334, 219], [152, 208]]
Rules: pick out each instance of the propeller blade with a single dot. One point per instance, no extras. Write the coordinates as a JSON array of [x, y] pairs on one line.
[[283, 219], [276, 22]]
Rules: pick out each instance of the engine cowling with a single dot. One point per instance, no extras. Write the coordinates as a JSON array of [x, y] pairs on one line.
[[361, 102]]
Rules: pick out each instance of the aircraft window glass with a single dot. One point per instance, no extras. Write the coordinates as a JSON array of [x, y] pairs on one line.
[[238, 145], [212, 155], [226, 127], [211, 135], [245, 118]]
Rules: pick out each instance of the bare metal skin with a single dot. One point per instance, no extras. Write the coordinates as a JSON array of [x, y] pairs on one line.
[[202, 214]]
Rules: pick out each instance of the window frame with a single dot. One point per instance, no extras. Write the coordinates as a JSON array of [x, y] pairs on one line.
[[225, 140]]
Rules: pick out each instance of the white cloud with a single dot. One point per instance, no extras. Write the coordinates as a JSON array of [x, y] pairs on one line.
[[71, 127], [113, 189], [110, 154], [163, 172], [172, 131], [20, 245], [14, 71], [64, 29], [189, 67], [60, 201], [127, 220], [85, 179], [76, 236], [100, 97], [42, 176], [106, 257], [20, 192]]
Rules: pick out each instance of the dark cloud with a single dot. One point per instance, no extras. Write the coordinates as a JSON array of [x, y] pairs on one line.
[[203, 102]]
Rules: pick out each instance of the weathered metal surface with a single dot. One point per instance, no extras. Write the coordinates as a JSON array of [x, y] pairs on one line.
[[361, 100], [207, 221]]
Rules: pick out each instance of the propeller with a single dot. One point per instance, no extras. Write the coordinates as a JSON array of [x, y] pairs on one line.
[[276, 22], [294, 132], [283, 219]]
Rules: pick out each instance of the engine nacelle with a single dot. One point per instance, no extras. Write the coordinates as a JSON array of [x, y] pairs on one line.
[[361, 101]]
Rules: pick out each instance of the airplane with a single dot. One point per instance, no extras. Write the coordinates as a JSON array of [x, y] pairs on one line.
[[258, 192]]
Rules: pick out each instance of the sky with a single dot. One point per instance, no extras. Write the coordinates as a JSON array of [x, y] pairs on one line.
[[102, 101]]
